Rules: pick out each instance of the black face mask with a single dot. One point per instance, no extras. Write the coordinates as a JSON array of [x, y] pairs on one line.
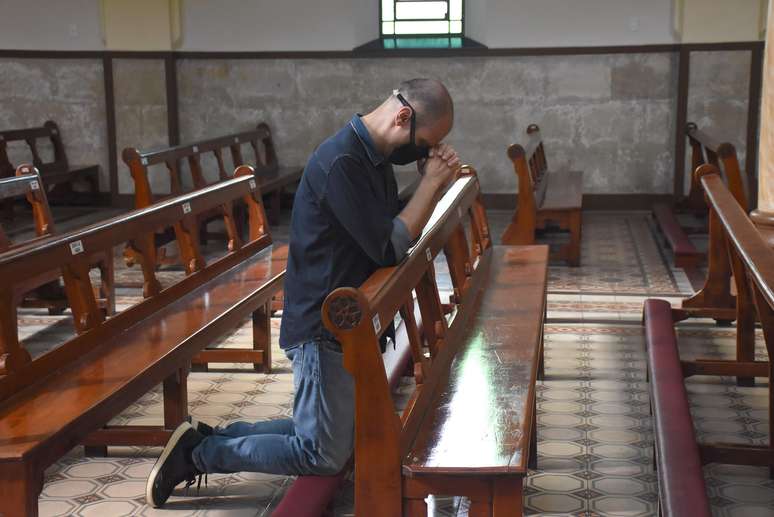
[[409, 152]]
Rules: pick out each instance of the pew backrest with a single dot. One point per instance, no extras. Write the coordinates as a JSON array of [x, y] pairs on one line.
[[189, 157], [27, 183], [529, 162], [751, 258], [705, 148], [31, 143]]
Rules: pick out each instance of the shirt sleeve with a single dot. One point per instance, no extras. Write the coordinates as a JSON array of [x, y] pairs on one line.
[[400, 238], [363, 215]]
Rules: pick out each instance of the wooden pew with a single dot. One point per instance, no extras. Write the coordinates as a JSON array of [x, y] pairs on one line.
[[704, 149], [679, 458], [57, 174], [544, 197], [273, 178], [471, 371], [66, 396], [713, 298], [44, 289]]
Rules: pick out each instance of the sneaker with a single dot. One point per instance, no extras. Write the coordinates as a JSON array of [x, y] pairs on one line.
[[204, 429], [174, 465]]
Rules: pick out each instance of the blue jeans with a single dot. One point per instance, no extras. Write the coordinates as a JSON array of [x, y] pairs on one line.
[[318, 440]]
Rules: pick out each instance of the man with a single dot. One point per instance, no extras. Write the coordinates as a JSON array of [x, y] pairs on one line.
[[346, 223]]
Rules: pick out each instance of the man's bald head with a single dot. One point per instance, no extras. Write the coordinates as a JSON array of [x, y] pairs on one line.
[[430, 99]]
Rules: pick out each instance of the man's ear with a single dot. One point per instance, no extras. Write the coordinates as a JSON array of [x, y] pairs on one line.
[[403, 116]]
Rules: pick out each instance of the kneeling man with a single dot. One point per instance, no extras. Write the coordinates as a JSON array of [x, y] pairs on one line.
[[346, 223]]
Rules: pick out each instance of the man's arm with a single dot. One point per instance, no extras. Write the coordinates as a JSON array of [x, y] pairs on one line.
[[440, 169]]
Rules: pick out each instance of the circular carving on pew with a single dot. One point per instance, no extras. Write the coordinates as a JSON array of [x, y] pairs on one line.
[[345, 313]]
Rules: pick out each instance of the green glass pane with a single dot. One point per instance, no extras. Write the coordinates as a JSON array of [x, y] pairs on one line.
[[455, 27], [420, 10], [389, 43], [456, 42], [422, 42], [455, 10], [388, 11], [429, 27], [388, 27]]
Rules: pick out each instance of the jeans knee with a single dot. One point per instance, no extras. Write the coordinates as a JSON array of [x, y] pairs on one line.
[[328, 462]]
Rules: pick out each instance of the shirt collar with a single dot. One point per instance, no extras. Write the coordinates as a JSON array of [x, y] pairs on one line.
[[364, 136]]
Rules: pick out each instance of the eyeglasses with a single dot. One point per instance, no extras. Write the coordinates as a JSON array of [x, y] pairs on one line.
[[413, 114]]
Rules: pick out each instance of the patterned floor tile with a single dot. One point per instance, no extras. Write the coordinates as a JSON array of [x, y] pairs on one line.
[[594, 428]]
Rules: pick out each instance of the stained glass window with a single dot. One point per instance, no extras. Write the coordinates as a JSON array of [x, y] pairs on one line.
[[421, 17]]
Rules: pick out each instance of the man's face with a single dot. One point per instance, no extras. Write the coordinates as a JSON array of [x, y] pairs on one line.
[[430, 135]]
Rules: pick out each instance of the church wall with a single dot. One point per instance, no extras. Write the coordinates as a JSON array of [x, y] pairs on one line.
[[612, 116], [70, 92]]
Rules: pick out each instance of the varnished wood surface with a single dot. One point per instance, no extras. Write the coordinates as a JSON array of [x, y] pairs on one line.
[[481, 421], [42, 410], [57, 172], [385, 289], [544, 198], [358, 316], [757, 256]]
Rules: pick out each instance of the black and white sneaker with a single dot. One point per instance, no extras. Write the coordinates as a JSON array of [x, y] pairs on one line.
[[174, 465], [204, 429]]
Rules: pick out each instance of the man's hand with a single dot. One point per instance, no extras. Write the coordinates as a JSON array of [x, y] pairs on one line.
[[442, 165], [439, 169], [447, 154]]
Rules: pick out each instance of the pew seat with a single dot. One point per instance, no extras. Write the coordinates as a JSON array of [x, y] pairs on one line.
[[67, 396], [678, 460], [479, 434]]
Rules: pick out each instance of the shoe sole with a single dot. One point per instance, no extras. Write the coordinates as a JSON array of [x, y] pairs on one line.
[[176, 435]]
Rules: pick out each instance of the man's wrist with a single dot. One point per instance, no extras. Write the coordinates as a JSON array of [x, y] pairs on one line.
[[432, 181]]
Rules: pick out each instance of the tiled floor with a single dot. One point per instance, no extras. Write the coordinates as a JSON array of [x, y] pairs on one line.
[[595, 442]]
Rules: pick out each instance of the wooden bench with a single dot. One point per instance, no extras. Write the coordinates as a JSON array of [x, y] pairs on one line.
[[68, 395], [273, 178], [679, 458], [57, 174], [475, 369], [704, 149], [44, 289], [544, 197]]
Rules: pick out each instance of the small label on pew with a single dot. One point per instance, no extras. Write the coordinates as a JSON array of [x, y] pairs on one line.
[[34, 185], [195, 148], [252, 184], [236, 139], [76, 247], [377, 323], [186, 208], [429, 255], [144, 161], [459, 212]]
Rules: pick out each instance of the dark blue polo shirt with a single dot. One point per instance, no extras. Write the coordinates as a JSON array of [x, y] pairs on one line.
[[343, 228]]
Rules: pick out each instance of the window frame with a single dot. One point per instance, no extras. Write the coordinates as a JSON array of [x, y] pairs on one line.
[[412, 35]]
